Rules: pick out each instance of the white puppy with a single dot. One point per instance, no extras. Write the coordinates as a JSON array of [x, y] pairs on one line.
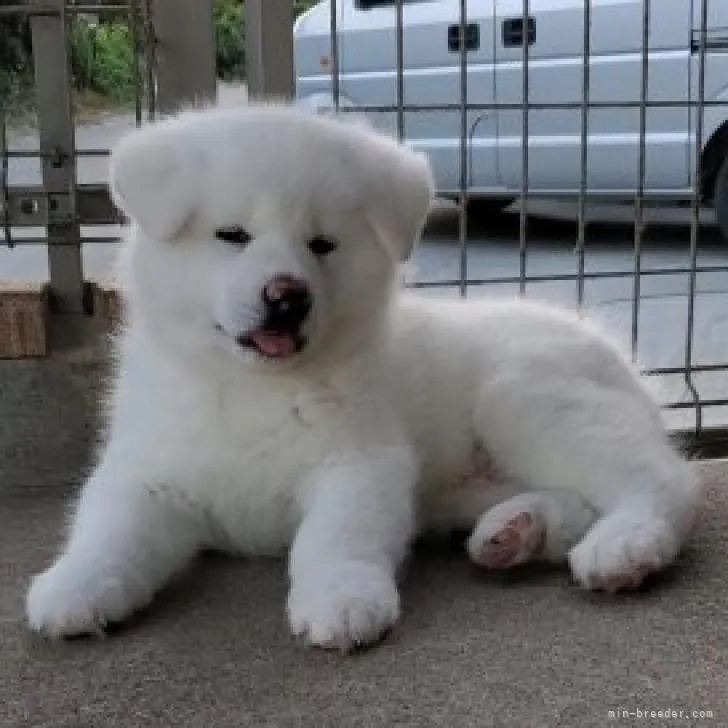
[[276, 389]]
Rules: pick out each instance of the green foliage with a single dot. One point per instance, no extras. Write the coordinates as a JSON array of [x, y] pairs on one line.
[[102, 59], [230, 33], [82, 38], [300, 5], [102, 54], [230, 38], [15, 64]]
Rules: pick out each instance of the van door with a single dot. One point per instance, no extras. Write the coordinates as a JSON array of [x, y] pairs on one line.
[[431, 50], [555, 33]]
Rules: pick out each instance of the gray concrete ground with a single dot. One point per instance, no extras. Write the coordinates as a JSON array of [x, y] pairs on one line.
[[493, 251], [517, 650]]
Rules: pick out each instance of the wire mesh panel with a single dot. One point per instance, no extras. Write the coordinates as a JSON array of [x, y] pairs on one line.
[[602, 123], [53, 177], [578, 147], [55, 140]]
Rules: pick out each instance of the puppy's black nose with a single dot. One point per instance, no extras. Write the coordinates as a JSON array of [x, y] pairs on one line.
[[287, 301]]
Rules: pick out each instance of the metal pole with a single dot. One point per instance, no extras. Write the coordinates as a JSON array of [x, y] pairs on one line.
[[56, 136], [269, 48], [464, 154], [184, 37]]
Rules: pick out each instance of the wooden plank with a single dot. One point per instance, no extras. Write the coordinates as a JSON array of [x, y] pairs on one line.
[[107, 304], [23, 321]]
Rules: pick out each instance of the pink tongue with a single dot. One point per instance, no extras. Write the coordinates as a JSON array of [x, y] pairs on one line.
[[274, 344]]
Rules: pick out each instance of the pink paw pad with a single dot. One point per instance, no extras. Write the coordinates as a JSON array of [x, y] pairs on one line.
[[631, 580], [515, 542]]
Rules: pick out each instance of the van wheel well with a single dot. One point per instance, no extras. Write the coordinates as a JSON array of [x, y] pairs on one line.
[[714, 154]]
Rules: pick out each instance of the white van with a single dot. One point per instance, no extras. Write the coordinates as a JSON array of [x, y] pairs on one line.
[[554, 32]]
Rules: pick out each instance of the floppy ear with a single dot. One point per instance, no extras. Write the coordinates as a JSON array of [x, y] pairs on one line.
[[404, 189], [153, 180]]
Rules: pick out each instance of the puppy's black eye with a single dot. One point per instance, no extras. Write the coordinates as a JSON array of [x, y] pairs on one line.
[[320, 246], [234, 234]]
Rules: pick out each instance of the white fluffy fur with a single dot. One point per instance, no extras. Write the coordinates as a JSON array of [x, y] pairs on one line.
[[403, 414]]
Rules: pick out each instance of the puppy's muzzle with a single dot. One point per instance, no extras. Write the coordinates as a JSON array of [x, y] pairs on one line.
[[287, 303]]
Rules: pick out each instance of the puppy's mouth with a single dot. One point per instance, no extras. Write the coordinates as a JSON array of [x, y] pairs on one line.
[[272, 344]]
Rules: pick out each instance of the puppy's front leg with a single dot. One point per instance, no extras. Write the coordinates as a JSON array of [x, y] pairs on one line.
[[357, 525], [126, 541]]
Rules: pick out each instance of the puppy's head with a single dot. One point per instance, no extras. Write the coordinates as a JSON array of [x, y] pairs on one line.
[[265, 231]]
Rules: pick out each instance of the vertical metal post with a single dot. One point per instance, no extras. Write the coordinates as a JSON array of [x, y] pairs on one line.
[[399, 52], [695, 221], [584, 179], [525, 89], [464, 179], [150, 61], [641, 172], [134, 20], [269, 48], [335, 79], [56, 136], [184, 53], [4, 202]]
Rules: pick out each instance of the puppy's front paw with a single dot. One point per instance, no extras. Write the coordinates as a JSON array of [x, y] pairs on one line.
[[73, 598], [347, 606]]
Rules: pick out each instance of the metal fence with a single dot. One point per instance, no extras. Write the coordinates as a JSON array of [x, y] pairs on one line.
[[43, 198], [171, 39], [694, 385]]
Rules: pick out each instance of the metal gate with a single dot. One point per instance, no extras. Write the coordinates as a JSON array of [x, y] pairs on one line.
[[44, 200], [460, 256], [693, 378]]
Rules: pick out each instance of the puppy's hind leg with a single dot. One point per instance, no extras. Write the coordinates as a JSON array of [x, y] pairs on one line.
[[508, 525], [602, 440], [532, 526], [643, 532]]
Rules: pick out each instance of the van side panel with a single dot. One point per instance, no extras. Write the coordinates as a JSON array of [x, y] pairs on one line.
[[555, 76], [368, 61]]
